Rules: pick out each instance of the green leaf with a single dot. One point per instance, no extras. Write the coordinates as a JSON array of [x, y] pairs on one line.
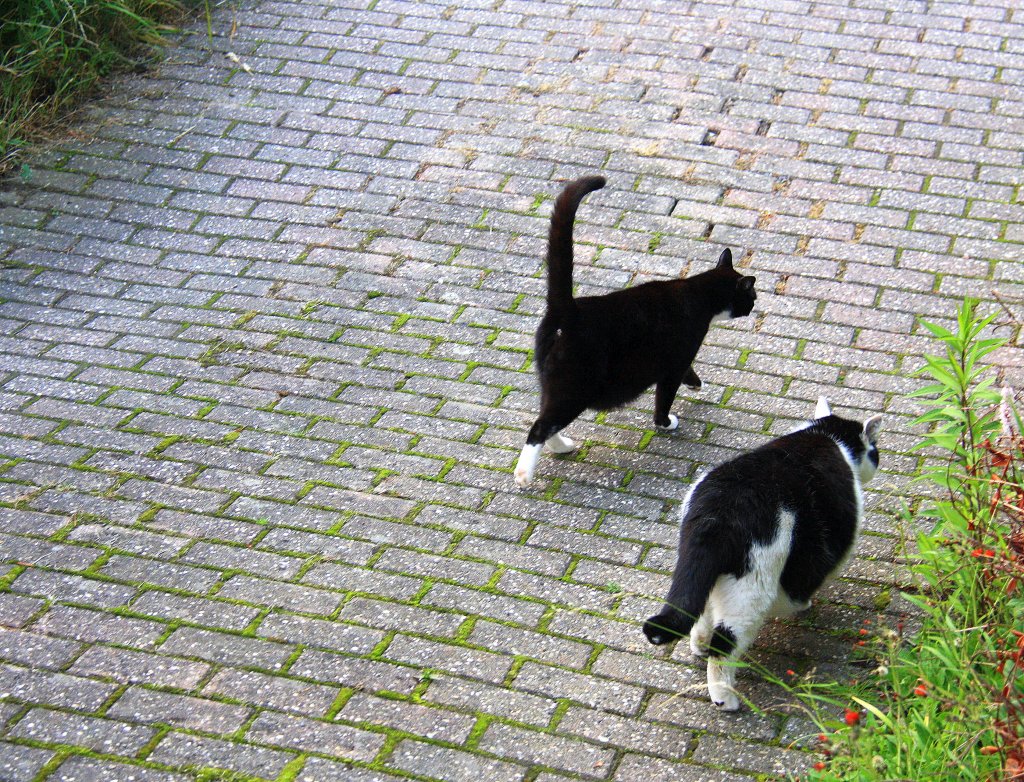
[[937, 330]]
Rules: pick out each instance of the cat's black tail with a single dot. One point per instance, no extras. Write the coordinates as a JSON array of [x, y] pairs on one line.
[[560, 238], [697, 569]]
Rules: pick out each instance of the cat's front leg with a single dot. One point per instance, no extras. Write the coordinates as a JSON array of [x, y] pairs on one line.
[[691, 380], [722, 685]]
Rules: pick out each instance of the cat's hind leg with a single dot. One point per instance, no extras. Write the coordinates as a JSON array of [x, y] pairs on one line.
[[664, 395], [786, 606], [700, 635], [740, 607], [545, 430]]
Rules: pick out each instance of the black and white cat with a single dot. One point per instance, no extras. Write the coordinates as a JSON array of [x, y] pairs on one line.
[[760, 534], [600, 352]]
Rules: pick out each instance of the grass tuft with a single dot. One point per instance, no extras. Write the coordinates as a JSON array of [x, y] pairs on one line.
[[53, 52]]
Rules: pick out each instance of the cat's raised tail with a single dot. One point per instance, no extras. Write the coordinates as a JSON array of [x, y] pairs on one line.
[[559, 258]]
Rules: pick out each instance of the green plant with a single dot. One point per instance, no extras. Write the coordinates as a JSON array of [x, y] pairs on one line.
[[946, 701], [53, 51]]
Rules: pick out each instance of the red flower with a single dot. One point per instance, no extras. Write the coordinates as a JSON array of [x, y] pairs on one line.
[[822, 738], [790, 672], [819, 766], [921, 690], [851, 717], [863, 631]]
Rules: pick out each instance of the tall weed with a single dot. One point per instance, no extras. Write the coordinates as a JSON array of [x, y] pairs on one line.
[[945, 703]]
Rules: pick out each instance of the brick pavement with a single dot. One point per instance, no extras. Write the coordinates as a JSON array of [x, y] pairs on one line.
[[266, 371]]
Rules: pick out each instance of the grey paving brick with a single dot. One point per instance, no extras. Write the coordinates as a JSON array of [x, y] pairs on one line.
[[483, 665], [85, 769], [71, 588], [19, 763], [275, 692], [437, 762], [431, 723], [129, 540], [16, 610], [369, 675], [179, 749], [633, 734], [245, 559], [483, 603], [53, 689], [520, 744], [165, 574], [194, 610], [86, 624], [224, 648], [393, 616], [153, 706], [473, 696], [342, 741], [327, 634], [27, 648], [131, 667], [316, 769], [634, 768], [100, 735], [371, 581]]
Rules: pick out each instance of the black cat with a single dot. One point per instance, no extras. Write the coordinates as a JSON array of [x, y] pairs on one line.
[[601, 352], [760, 534]]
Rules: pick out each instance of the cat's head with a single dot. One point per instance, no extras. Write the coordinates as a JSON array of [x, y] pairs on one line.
[[743, 293], [860, 440]]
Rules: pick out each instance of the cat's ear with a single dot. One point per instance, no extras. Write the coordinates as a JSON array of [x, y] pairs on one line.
[[872, 427], [725, 259], [822, 410]]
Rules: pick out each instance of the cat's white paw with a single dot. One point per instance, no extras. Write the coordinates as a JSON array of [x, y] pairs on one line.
[[673, 423], [560, 444], [527, 464], [730, 702], [699, 646], [724, 697]]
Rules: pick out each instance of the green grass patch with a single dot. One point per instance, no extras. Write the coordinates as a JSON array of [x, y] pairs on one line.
[[53, 52], [947, 700]]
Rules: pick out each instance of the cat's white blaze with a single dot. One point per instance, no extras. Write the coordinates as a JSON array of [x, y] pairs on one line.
[[741, 604]]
